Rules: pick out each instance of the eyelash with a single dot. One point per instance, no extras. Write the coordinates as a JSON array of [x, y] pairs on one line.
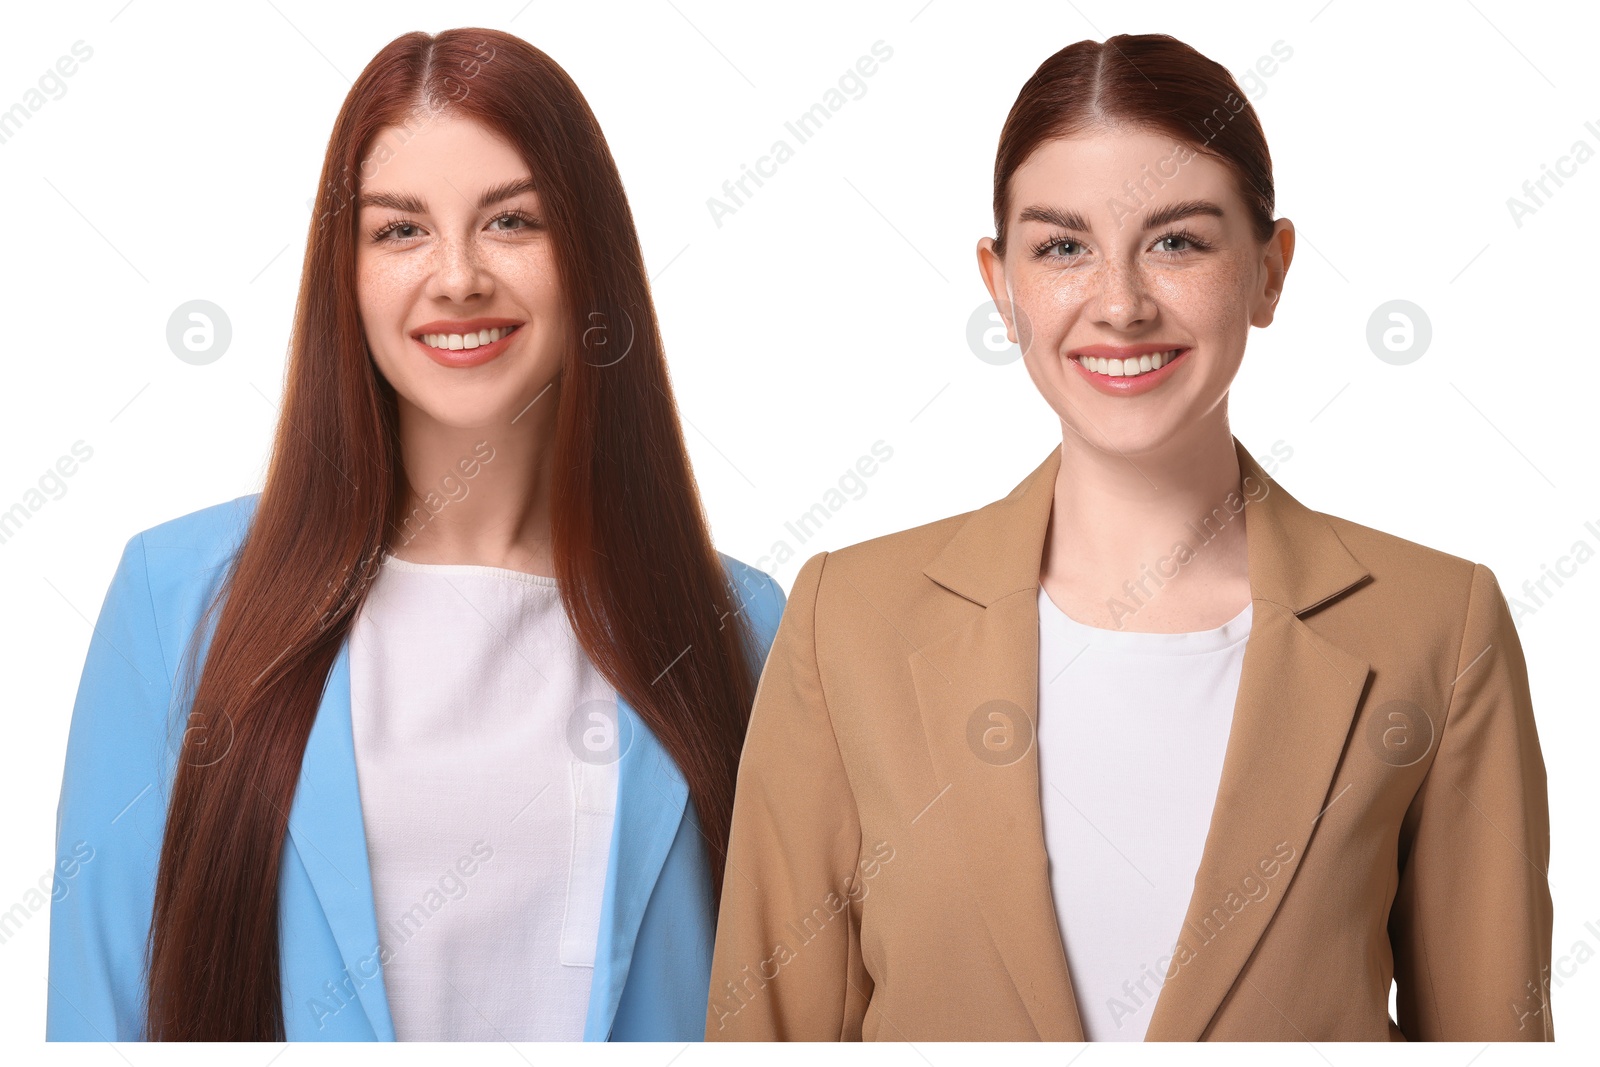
[[531, 223], [1040, 250]]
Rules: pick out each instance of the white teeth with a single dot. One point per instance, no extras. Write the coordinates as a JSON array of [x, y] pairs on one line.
[[1128, 368], [455, 341]]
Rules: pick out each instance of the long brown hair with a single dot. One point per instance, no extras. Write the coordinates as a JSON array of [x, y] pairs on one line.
[[640, 580], [1150, 81]]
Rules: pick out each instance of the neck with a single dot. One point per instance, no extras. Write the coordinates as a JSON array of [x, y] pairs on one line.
[[1116, 524], [478, 495]]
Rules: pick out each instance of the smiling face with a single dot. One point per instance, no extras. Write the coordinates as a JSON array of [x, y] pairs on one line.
[[1132, 295], [458, 284]]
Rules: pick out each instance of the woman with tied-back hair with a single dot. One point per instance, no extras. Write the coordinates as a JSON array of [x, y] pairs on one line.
[[1146, 749], [435, 737]]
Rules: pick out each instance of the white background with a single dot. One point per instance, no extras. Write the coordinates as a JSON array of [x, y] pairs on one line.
[[827, 313]]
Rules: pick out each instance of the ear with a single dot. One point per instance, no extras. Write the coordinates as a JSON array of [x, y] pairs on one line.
[[1277, 255], [993, 271]]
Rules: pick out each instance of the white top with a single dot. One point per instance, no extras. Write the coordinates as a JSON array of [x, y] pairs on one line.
[[488, 836], [1132, 731]]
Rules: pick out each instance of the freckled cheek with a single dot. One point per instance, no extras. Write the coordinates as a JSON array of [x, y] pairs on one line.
[[1048, 305], [522, 279], [1213, 305], [376, 302], [536, 293], [387, 291]]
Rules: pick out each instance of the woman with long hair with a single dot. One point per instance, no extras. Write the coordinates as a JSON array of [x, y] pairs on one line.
[[1146, 749], [434, 737]]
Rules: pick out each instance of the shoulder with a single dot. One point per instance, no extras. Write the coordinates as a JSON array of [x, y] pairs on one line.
[[886, 571], [178, 564], [902, 553], [1406, 583], [760, 596], [193, 550], [1408, 579], [1418, 606], [1393, 555], [210, 533]]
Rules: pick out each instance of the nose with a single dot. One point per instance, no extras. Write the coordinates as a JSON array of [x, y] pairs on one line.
[[1123, 300], [458, 270]]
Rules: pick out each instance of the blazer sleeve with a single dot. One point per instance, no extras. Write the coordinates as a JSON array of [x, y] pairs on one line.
[[1471, 921], [109, 820], [787, 962]]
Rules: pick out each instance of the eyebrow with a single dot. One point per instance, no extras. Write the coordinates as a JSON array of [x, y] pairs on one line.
[[412, 205], [1071, 220]]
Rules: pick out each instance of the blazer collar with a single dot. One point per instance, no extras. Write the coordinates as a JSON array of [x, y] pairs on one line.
[[1296, 559], [329, 838], [1298, 693]]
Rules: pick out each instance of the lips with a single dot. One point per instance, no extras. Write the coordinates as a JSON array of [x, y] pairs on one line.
[[463, 326], [1128, 370], [470, 343], [1129, 367], [455, 342]]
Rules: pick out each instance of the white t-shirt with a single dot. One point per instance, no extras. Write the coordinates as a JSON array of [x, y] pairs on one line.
[[487, 807], [1132, 731]]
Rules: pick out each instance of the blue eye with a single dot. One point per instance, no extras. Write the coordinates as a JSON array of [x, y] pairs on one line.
[[1058, 247], [1192, 243], [528, 222], [383, 232], [1045, 250]]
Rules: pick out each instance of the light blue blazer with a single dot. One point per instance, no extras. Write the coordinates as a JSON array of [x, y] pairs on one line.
[[652, 970]]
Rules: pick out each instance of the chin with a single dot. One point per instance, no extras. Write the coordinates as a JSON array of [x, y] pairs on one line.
[[490, 416], [1127, 433]]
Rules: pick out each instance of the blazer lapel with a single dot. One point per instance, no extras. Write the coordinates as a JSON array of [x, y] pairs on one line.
[[651, 796], [330, 840], [1297, 697], [978, 690]]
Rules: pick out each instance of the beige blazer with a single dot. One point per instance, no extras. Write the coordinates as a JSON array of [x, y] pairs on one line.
[[1381, 813]]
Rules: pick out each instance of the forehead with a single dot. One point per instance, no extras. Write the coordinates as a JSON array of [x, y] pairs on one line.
[[438, 149], [1103, 173]]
